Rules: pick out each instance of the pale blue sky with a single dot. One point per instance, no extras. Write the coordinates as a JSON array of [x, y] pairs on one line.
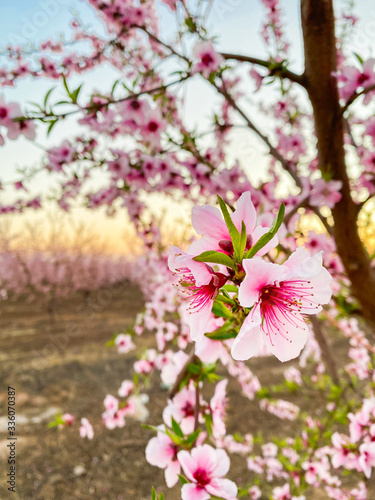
[[237, 24]]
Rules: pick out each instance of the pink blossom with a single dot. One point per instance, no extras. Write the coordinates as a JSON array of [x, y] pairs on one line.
[[207, 60], [255, 493], [68, 418], [86, 429], [280, 297], [124, 343], [126, 388], [173, 367], [208, 221], [325, 193], [181, 409], [292, 374], [199, 285], [366, 458], [205, 467], [161, 452], [217, 405]]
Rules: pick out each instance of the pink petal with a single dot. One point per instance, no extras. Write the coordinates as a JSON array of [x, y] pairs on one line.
[[187, 463], [258, 232], [291, 346], [198, 321], [171, 473], [208, 221], [302, 264], [158, 451], [250, 340], [322, 291], [223, 488], [223, 462], [258, 274], [245, 211], [193, 492], [203, 245]]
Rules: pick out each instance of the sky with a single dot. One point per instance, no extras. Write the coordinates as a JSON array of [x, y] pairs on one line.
[[237, 24]]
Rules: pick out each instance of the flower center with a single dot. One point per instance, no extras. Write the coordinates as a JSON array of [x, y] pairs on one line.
[[207, 59], [200, 296], [281, 305], [201, 476]]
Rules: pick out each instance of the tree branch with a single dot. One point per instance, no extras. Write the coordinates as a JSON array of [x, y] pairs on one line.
[[326, 355], [355, 96], [284, 73], [274, 152]]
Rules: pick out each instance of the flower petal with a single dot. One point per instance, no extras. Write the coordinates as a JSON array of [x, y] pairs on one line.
[[187, 463], [249, 342], [193, 492], [245, 212], [208, 221], [258, 274], [223, 488], [288, 345], [171, 473], [198, 321]]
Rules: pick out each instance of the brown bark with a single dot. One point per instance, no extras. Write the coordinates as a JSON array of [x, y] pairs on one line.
[[318, 25]]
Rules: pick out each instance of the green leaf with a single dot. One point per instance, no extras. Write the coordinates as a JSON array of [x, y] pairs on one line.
[[230, 288], [195, 369], [176, 428], [233, 231], [192, 437], [215, 258], [153, 494], [266, 238], [51, 125], [220, 310], [224, 332], [151, 428], [243, 240], [182, 479], [360, 59], [47, 96], [66, 86], [75, 94], [225, 299]]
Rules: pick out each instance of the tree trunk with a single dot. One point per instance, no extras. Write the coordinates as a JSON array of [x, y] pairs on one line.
[[318, 26]]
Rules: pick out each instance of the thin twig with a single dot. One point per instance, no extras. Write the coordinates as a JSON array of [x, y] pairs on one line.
[[284, 73], [326, 355], [355, 96], [182, 374], [274, 152]]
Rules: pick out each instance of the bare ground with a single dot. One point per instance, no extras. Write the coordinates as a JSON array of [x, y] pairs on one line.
[[63, 365]]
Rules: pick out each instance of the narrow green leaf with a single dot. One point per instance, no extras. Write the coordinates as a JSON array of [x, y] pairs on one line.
[[226, 300], [150, 428], [192, 437], [215, 258], [220, 310], [268, 236], [243, 240], [153, 494], [47, 96], [233, 231], [75, 93], [66, 86], [222, 334], [182, 479], [50, 127], [176, 428], [230, 288]]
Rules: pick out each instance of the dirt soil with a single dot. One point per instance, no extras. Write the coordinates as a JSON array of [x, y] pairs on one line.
[[62, 364]]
